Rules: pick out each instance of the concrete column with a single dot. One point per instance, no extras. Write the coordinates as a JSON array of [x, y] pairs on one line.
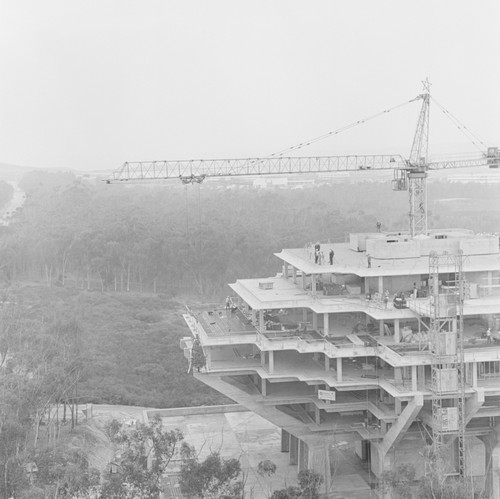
[[264, 387], [285, 270], [421, 376], [326, 326], [313, 284], [271, 361], [317, 415], [303, 456], [208, 357], [397, 406], [285, 441], [492, 458], [397, 337], [262, 326], [339, 370], [327, 363], [380, 284], [318, 460], [381, 328], [474, 376], [254, 317], [304, 315], [315, 320], [294, 449], [303, 280], [414, 378], [263, 359], [294, 275]]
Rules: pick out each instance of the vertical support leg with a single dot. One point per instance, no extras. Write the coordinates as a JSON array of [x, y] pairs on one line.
[[303, 456], [285, 441], [339, 370], [397, 336], [326, 326], [380, 284], [318, 460], [294, 449]]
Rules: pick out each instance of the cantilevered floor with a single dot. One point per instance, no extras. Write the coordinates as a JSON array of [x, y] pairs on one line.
[[287, 295]]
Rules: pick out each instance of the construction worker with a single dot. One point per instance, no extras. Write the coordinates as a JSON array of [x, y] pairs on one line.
[[369, 260], [331, 255], [489, 338]]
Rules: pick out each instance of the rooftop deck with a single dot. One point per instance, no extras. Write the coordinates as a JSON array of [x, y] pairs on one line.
[[348, 261]]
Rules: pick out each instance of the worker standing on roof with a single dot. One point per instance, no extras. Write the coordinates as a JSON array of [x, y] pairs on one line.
[[379, 226], [331, 254], [369, 261]]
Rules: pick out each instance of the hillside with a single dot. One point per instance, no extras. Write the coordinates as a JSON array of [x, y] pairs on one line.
[[129, 345]]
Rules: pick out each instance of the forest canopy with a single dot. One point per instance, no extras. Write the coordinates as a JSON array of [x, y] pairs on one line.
[[195, 239]]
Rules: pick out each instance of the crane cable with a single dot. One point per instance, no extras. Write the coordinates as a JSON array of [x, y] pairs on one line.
[[474, 139], [339, 130]]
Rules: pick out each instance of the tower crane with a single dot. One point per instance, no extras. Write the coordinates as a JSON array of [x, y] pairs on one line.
[[409, 173]]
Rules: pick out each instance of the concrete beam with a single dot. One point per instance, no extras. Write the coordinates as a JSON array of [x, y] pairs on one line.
[[473, 404], [406, 418]]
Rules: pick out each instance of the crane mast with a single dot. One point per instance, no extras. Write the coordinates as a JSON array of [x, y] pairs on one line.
[[417, 171]]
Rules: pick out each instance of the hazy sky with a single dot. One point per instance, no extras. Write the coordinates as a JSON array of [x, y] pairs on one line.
[[90, 84]]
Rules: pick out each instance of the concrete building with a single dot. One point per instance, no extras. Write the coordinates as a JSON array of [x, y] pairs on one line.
[[346, 351]]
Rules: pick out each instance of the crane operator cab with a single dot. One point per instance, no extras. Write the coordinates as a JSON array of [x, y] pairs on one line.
[[493, 158]]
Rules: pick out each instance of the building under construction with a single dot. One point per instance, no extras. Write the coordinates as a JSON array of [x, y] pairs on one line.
[[388, 341]]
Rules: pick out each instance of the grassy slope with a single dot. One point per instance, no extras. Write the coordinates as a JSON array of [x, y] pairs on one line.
[[130, 346]]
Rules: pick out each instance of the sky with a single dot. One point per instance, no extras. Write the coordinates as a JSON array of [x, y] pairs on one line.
[[90, 84]]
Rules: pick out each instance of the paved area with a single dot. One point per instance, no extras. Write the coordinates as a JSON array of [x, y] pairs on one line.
[[251, 439], [242, 435]]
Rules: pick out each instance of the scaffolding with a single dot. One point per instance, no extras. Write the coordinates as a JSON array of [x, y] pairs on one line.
[[447, 349]]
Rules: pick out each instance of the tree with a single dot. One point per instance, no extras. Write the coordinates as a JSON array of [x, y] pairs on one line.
[[198, 360], [291, 492], [213, 478], [398, 481], [266, 469], [308, 488], [146, 443], [64, 474]]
